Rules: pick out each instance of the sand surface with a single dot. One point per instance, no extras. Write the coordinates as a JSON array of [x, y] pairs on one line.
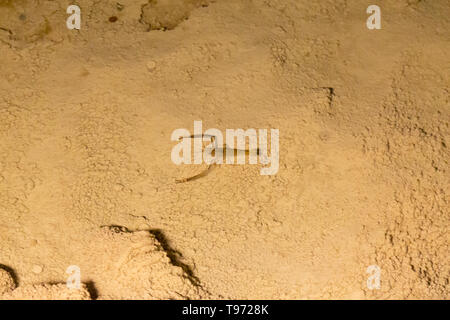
[[86, 176]]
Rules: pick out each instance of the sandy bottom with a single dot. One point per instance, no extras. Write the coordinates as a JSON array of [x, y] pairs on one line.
[[86, 177]]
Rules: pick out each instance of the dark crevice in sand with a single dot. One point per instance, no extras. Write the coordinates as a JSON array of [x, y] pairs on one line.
[[174, 256], [330, 95], [90, 286]]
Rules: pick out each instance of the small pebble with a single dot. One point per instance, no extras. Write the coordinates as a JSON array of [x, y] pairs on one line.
[[36, 269], [151, 65], [7, 283]]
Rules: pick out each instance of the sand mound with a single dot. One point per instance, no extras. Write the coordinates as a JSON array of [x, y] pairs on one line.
[[7, 282], [144, 268]]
